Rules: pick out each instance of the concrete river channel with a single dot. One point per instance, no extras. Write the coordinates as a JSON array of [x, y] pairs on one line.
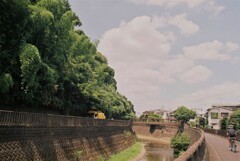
[[157, 152]]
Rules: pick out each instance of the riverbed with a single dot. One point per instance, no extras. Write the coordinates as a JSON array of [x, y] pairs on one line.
[[155, 149], [157, 152]]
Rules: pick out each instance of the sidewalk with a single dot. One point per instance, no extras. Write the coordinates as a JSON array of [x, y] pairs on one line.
[[219, 150]]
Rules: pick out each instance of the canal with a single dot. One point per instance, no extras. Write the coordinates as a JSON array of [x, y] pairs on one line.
[[157, 152]]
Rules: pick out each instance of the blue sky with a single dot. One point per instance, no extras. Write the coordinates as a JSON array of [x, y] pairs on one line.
[[168, 53]]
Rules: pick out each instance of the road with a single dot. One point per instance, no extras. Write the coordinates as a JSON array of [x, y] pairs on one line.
[[219, 150]]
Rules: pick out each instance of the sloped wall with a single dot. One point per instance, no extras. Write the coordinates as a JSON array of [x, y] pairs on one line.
[[25, 136], [161, 130]]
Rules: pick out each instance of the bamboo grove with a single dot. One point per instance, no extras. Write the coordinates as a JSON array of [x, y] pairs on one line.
[[47, 62]]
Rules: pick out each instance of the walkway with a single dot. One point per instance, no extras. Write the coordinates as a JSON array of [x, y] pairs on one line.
[[219, 150]]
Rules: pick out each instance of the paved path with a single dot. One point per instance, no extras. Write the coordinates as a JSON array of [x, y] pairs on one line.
[[219, 150]]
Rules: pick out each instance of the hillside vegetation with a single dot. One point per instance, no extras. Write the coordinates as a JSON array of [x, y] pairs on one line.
[[47, 62]]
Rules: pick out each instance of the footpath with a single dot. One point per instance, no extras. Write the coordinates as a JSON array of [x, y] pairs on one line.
[[219, 150]]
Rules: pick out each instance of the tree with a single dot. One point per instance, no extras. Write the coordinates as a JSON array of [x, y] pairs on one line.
[[235, 119], [183, 115], [223, 123], [46, 63], [202, 122], [154, 117]]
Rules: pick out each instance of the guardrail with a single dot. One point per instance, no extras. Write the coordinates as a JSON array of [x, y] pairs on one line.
[[222, 133], [11, 118], [197, 147]]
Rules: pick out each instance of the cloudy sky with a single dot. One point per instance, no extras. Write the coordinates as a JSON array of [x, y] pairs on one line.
[[168, 53]]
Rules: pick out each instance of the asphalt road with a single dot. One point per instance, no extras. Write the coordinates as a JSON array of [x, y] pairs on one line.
[[219, 150]]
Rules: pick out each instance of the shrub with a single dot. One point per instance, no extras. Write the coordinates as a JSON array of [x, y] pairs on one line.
[[180, 143]]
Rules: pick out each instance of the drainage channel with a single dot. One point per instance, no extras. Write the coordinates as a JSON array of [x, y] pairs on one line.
[[157, 152]]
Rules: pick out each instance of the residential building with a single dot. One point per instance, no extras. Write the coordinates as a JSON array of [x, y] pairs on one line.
[[163, 113], [218, 112]]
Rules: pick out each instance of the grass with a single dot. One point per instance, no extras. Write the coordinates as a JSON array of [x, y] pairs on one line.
[[127, 154]]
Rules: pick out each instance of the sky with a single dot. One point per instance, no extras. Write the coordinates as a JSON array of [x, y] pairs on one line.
[[168, 53]]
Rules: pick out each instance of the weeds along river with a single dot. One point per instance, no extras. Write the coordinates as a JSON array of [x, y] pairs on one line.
[[157, 152]]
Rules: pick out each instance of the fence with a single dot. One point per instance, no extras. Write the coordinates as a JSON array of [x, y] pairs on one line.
[[10, 118], [33, 136], [222, 133]]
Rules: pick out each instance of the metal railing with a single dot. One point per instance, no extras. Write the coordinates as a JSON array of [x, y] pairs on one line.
[[11, 118]]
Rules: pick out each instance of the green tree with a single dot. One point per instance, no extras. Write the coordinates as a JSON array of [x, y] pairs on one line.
[[14, 19], [46, 63], [235, 119], [224, 123], [183, 115], [202, 122]]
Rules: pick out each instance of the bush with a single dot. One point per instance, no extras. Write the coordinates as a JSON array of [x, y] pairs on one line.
[[180, 143]]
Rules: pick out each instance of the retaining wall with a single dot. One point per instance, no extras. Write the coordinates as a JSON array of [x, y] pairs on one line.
[[158, 130], [26, 136], [197, 150]]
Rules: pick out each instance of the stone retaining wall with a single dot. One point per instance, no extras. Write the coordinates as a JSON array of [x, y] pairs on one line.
[[25, 136]]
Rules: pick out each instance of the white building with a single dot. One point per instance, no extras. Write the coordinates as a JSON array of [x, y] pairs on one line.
[[218, 112], [163, 113]]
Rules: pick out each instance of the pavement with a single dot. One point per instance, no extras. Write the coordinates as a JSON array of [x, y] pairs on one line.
[[219, 150]]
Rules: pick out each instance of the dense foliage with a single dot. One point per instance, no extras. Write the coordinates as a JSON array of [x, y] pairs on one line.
[[183, 115], [180, 143], [235, 119], [150, 117], [46, 63], [224, 123]]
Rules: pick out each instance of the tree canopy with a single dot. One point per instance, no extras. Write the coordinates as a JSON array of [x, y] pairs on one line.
[[45, 62], [235, 119], [183, 114]]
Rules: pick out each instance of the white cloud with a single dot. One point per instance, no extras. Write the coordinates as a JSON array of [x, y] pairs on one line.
[[140, 53], [211, 6], [196, 74], [214, 50], [175, 65], [170, 3], [225, 93], [137, 41], [187, 27], [142, 46], [208, 5], [232, 46]]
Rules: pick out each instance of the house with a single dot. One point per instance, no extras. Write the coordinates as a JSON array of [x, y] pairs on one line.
[[218, 112], [163, 113]]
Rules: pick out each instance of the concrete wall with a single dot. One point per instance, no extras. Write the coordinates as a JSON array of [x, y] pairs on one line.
[[155, 130], [197, 150], [25, 136]]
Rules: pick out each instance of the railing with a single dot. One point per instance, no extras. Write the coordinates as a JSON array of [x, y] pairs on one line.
[[197, 147], [156, 120], [10, 118], [222, 133]]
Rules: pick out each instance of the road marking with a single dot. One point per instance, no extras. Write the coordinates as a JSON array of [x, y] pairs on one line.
[[215, 152]]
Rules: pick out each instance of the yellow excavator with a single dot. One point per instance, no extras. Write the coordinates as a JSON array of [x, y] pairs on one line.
[[96, 114]]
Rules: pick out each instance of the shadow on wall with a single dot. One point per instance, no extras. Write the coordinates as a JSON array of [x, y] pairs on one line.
[[155, 131]]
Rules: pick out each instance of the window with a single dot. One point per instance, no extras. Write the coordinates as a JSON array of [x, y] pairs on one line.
[[214, 115], [224, 114]]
